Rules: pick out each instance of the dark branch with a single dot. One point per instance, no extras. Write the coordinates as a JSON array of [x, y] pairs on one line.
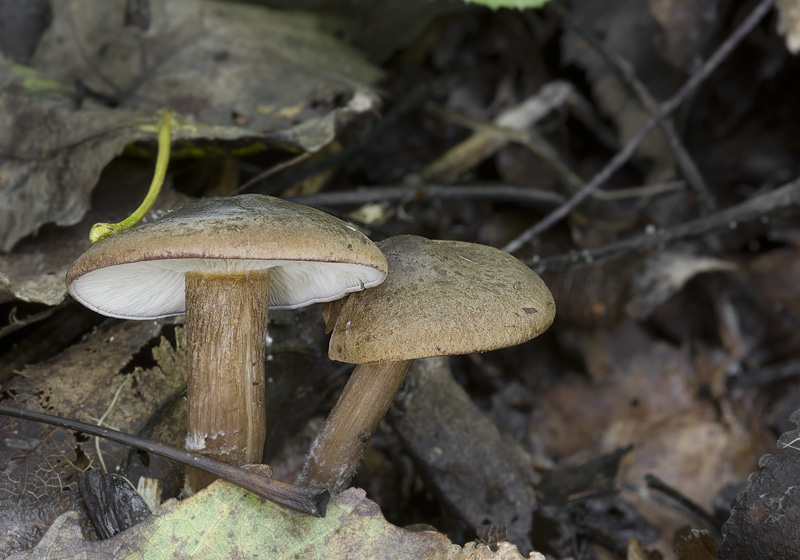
[[785, 197], [636, 88], [664, 111], [524, 195], [311, 501]]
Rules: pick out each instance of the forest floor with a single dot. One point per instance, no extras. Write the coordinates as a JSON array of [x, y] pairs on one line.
[[642, 157]]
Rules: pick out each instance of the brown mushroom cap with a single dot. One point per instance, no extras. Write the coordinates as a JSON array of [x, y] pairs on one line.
[[312, 256], [441, 298]]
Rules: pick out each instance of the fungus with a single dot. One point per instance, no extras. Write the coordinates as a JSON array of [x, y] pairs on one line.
[[441, 298], [223, 263]]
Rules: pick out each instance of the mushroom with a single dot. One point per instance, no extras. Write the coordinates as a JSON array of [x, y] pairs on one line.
[[224, 262], [441, 298]]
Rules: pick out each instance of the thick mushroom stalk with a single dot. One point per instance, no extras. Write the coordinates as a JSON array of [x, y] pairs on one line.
[[226, 324], [222, 262], [365, 400]]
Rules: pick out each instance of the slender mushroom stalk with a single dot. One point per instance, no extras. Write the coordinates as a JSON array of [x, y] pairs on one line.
[[223, 262], [365, 400], [441, 298]]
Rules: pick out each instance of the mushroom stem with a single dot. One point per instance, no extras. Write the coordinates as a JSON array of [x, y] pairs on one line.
[[366, 398], [226, 325]]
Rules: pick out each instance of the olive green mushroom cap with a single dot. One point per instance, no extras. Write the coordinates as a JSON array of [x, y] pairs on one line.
[[441, 298], [312, 256]]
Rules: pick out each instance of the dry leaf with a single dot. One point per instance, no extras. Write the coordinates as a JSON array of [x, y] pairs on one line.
[[81, 383], [643, 392], [224, 63], [224, 521], [56, 143], [632, 286]]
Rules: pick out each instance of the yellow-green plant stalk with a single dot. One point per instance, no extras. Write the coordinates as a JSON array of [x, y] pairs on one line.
[[102, 230]]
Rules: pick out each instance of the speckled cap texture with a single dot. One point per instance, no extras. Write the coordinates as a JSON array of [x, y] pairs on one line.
[[312, 256], [441, 298]]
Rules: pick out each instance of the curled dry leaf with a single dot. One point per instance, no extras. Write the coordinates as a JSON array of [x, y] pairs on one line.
[[295, 87], [22, 528], [663, 274]]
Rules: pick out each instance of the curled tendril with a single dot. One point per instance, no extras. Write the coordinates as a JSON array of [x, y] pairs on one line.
[[102, 230]]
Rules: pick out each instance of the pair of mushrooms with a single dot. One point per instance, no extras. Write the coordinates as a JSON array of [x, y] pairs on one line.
[[224, 262]]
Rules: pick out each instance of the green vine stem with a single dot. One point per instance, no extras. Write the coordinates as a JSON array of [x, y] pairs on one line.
[[102, 230]]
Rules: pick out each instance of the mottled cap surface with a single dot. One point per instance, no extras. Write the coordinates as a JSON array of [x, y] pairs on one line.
[[312, 256], [441, 298]]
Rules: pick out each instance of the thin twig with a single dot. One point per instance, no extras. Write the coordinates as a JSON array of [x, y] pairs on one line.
[[311, 501], [656, 483], [516, 125], [664, 111], [685, 161], [759, 207], [523, 195], [548, 154], [639, 192], [635, 87], [765, 375], [267, 173]]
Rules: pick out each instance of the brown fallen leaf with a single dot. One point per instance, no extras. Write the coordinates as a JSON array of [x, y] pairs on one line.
[[643, 392], [774, 276], [633, 286], [225, 64]]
